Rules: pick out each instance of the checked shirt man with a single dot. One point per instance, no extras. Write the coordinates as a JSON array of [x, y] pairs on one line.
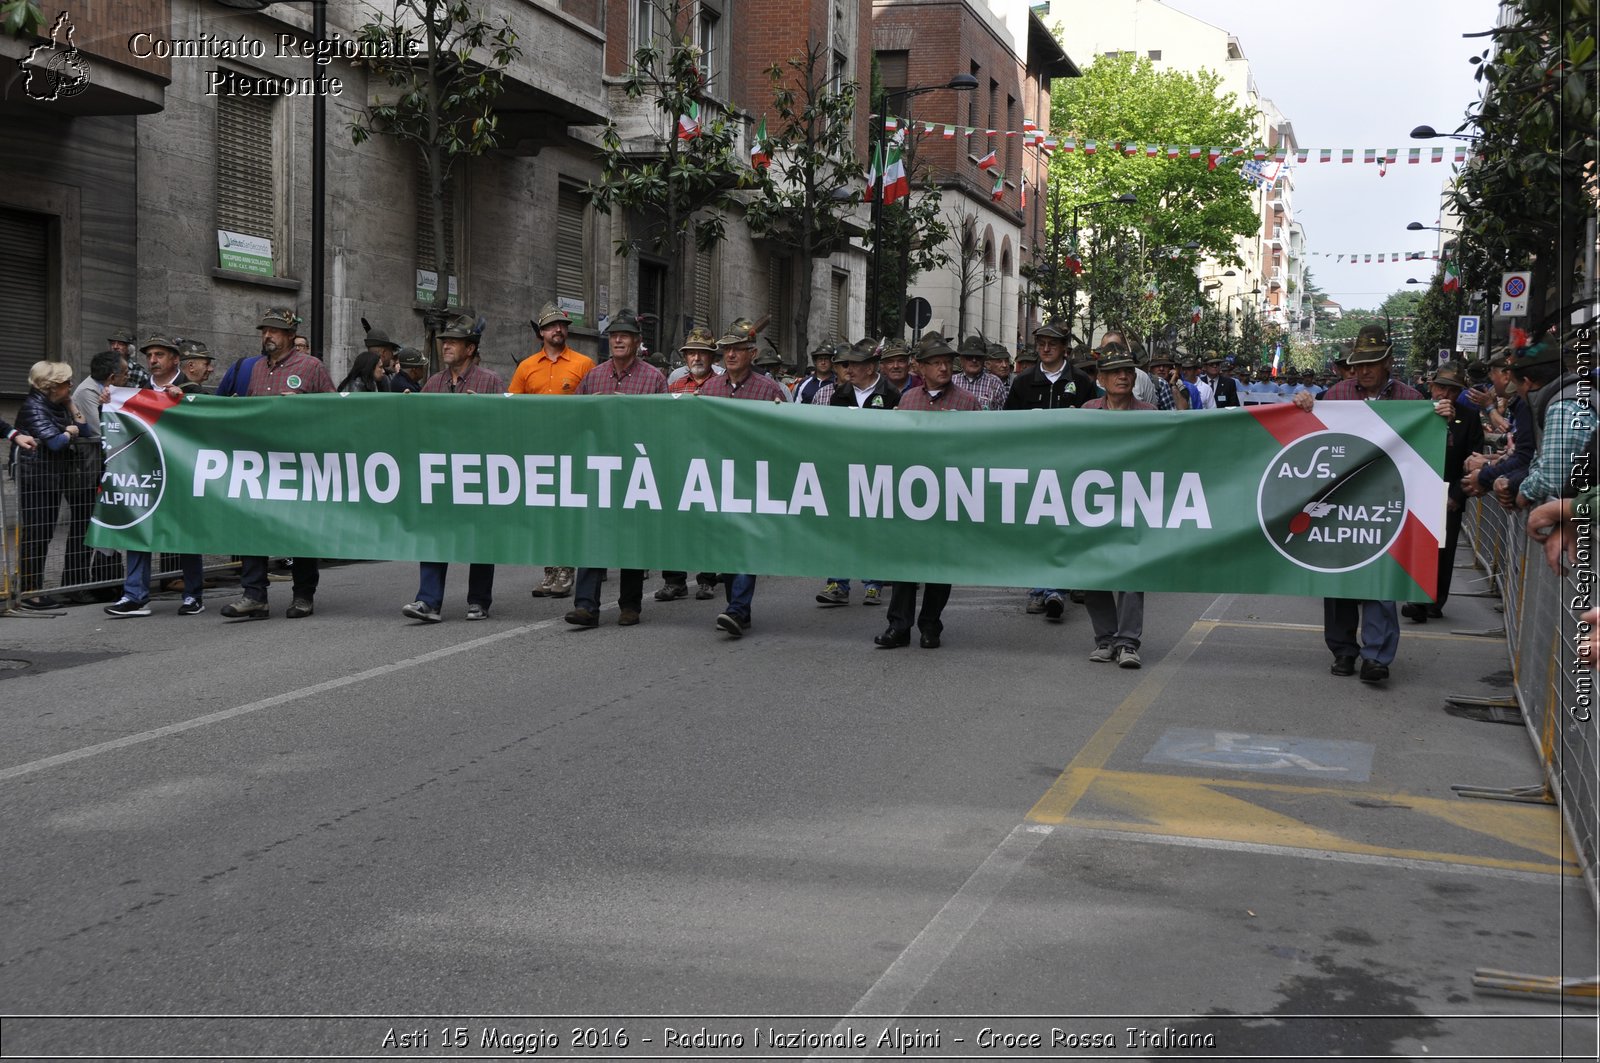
[[281, 371], [625, 373], [461, 375], [740, 381]]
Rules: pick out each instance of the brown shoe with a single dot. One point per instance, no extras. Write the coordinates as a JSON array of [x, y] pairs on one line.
[[582, 618], [543, 589], [561, 583], [628, 618]]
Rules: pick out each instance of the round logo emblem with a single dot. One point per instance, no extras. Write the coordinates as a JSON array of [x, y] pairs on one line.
[[135, 476], [293, 383], [1331, 502]]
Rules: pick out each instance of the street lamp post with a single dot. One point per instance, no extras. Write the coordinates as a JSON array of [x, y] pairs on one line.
[[1072, 293], [1460, 239], [319, 163], [880, 136]]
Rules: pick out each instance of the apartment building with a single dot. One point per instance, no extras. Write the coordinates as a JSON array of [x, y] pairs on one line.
[[1008, 50]]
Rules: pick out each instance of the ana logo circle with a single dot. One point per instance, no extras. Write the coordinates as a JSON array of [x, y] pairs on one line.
[[293, 383], [1331, 502], [135, 476]]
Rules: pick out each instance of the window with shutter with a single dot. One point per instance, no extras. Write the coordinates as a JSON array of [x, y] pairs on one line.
[[426, 256], [25, 296], [839, 302], [704, 272], [246, 198], [571, 261]]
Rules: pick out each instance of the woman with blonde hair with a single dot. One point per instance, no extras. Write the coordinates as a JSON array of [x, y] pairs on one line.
[[48, 473]]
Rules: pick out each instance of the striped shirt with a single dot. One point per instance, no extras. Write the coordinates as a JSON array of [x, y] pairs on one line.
[[951, 398], [475, 381], [988, 389], [297, 374], [640, 378], [756, 387]]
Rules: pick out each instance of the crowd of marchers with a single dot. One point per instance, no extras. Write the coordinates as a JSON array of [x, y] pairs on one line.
[[1521, 429]]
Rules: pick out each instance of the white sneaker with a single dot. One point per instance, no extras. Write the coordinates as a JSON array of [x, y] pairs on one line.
[[420, 610]]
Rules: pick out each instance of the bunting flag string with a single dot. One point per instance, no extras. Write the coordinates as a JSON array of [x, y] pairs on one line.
[[1047, 144], [1364, 257]]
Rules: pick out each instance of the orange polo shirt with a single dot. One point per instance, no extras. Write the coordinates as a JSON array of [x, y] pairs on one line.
[[538, 375]]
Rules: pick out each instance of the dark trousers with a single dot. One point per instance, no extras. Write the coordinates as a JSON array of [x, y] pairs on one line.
[[903, 607], [681, 579], [253, 578], [630, 595], [41, 488], [1379, 622], [430, 589]]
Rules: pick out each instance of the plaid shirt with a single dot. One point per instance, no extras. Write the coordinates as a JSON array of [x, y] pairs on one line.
[[297, 374], [988, 389], [1568, 424], [1164, 399], [951, 398], [640, 378], [475, 381], [687, 383], [1393, 388], [756, 387]]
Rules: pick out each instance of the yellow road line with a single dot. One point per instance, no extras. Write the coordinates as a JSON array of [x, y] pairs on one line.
[[1186, 806], [1070, 785]]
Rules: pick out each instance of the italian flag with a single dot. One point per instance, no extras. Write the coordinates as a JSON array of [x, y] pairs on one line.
[[1347, 155], [896, 185], [1088, 147], [999, 190], [948, 132], [873, 165], [1325, 155], [1414, 156], [1212, 155], [988, 162], [689, 122], [1451, 281], [1024, 188], [759, 158]]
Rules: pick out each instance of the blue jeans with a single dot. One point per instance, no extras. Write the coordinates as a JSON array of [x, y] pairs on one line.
[[740, 592], [844, 584], [480, 584], [137, 584], [1380, 628]]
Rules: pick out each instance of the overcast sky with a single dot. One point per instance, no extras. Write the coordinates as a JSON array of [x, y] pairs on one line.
[[1361, 74]]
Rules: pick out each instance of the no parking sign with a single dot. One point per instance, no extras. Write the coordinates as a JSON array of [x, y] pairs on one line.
[[1514, 293]]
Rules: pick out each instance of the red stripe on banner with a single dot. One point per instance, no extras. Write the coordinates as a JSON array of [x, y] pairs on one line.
[[149, 405], [1418, 553], [1286, 421]]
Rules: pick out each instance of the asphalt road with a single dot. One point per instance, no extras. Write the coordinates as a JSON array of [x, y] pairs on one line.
[[490, 826]]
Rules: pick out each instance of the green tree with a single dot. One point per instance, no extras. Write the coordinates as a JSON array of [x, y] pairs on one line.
[[916, 237], [687, 183], [810, 192], [1125, 99], [448, 71], [1529, 190], [1435, 326], [22, 19]]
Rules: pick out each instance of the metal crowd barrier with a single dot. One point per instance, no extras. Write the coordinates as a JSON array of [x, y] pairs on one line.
[[1553, 688], [46, 501]]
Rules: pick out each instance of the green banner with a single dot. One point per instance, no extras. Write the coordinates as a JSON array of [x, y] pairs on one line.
[[1346, 501]]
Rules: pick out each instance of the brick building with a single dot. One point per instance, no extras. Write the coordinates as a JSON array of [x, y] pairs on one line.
[[117, 203], [1013, 57]]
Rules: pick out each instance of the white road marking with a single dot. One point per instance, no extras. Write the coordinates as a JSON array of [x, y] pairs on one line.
[[285, 698], [894, 990]]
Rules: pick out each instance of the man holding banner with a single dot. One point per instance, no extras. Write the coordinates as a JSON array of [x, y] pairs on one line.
[[740, 381], [936, 362], [281, 371], [1370, 362], [625, 373], [458, 349]]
